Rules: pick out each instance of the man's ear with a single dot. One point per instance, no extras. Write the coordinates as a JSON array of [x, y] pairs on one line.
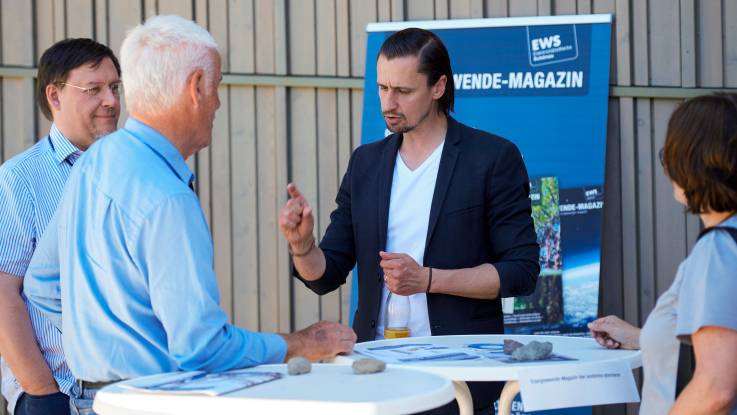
[[438, 90], [52, 96], [196, 86]]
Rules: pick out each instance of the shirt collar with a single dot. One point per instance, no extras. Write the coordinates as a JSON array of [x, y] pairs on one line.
[[162, 146], [62, 147]]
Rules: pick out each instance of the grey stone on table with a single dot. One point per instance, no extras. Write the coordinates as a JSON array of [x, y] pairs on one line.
[[298, 366], [511, 345], [533, 350], [366, 366]]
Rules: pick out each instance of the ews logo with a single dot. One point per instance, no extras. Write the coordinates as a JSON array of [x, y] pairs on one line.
[[546, 42], [551, 44]]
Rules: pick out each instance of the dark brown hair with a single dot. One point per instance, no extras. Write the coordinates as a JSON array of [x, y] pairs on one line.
[[700, 152], [63, 57], [433, 57]]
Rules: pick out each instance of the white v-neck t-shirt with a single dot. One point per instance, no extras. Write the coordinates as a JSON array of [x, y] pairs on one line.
[[409, 217]]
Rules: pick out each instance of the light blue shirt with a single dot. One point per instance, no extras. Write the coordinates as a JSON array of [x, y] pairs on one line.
[[701, 295], [135, 256], [31, 184]]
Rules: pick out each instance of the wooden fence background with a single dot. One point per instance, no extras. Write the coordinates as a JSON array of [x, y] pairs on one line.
[[266, 135]]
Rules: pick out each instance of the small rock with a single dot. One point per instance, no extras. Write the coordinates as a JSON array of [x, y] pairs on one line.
[[534, 350], [365, 366], [511, 345], [298, 366]]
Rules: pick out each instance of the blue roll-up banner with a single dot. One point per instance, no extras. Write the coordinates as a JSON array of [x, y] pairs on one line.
[[543, 83]]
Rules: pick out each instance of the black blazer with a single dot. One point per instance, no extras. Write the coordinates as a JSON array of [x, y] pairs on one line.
[[480, 213]]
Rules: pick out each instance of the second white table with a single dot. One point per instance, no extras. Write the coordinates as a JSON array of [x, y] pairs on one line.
[[584, 350]]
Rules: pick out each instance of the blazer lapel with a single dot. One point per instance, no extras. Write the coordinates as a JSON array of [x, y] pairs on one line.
[[445, 173], [386, 174]]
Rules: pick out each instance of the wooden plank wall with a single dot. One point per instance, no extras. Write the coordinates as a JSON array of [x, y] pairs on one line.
[[266, 136]]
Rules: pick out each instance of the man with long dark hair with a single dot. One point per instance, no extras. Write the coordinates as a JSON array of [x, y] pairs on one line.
[[436, 211]]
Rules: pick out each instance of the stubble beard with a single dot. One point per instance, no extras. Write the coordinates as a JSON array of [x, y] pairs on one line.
[[99, 131], [408, 128]]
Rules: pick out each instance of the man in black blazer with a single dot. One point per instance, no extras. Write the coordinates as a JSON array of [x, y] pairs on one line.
[[473, 217]]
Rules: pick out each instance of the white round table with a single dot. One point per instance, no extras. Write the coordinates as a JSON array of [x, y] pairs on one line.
[[327, 389], [583, 349]]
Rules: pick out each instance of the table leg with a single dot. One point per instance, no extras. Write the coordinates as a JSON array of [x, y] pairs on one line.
[[511, 389], [463, 398]]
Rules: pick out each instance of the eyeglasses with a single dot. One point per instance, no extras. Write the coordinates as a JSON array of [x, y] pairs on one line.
[[115, 87]]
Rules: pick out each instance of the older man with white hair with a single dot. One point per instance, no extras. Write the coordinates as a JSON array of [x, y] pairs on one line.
[[132, 246]]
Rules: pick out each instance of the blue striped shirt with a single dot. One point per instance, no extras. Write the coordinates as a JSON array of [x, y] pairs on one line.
[[135, 256], [31, 185]]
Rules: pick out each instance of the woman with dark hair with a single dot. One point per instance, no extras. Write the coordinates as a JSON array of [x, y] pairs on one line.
[[700, 159]]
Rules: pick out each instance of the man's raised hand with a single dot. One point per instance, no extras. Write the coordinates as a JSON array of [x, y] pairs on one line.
[[297, 222]]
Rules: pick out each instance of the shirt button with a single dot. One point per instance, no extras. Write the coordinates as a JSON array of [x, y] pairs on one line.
[[373, 324]]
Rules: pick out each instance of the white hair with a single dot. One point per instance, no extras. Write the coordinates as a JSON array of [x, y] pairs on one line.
[[156, 59]]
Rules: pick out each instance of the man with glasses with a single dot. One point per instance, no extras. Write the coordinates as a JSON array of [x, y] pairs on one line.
[[78, 89]]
